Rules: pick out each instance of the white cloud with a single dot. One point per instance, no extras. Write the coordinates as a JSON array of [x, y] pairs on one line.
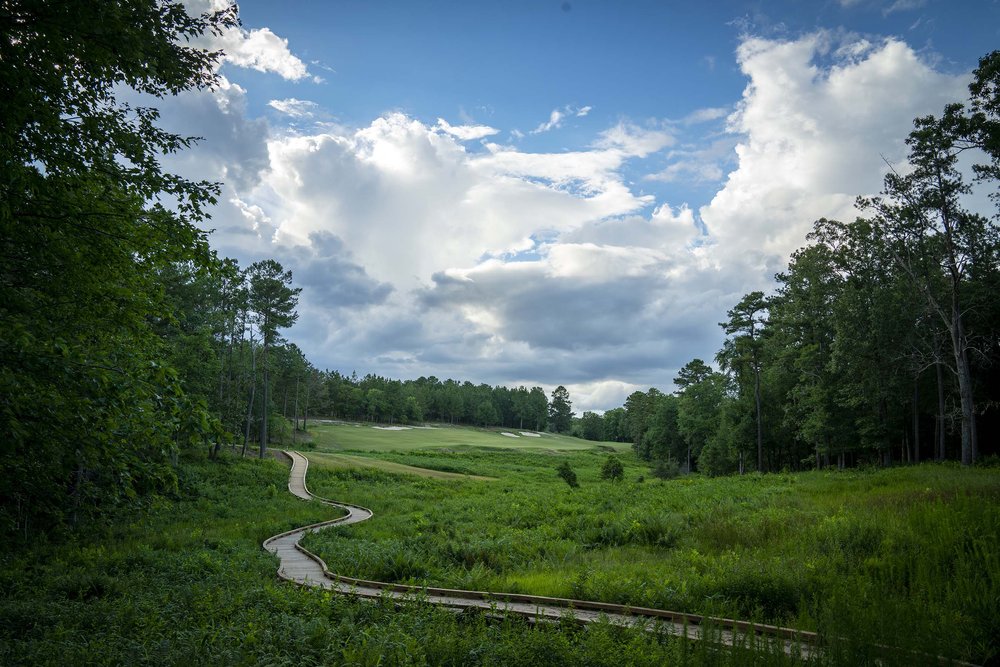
[[813, 137], [294, 108], [634, 140], [258, 49], [705, 115], [466, 132], [904, 6], [554, 121], [420, 256], [556, 117], [411, 201], [263, 51]]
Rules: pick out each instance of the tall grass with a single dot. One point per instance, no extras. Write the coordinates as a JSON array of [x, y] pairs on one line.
[[904, 558], [185, 582]]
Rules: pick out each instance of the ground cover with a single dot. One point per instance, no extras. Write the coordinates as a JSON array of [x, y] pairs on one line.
[[325, 460], [184, 581], [340, 436], [903, 557]]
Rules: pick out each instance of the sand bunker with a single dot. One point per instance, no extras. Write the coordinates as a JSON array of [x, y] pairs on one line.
[[510, 435], [530, 435], [393, 428]]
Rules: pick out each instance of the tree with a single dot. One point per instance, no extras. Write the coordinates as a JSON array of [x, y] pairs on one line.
[[742, 352], [929, 233], [566, 473], [486, 414], [693, 372], [560, 410], [538, 407], [698, 412], [592, 426], [273, 301], [92, 412], [612, 469]]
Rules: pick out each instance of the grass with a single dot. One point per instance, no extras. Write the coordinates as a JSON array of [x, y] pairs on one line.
[[902, 557], [906, 557], [344, 461], [184, 581], [336, 437]]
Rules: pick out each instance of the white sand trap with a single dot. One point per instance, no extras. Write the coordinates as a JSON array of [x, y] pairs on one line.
[[393, 428], [510, 435], [530, 435]]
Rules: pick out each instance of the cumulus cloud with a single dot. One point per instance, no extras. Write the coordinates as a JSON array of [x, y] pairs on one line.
[[421, 255], [813, 136], [258, 49], [411, 200]]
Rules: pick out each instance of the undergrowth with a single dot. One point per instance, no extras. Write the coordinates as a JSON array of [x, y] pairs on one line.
[[184, 581]]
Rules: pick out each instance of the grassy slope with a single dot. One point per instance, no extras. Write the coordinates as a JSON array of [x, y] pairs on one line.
[[185, 582], [906, 556], [349, 437], [329, 461]]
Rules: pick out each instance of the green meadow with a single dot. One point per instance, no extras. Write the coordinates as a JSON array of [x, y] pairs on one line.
[[867, 557], [340, 436], [892, 566], [183, 580]]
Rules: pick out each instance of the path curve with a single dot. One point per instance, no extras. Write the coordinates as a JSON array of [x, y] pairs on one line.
[[300, 566]]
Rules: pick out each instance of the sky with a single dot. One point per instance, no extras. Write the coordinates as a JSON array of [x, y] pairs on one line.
[[548, 192]]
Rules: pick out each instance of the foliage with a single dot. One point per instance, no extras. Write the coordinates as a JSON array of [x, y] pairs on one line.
[[560, 410], [666, 469], [186, 582], [92, 412], [567, 475], [612, 469], [780, 548]]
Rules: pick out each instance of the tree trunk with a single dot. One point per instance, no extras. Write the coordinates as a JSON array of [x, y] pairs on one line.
[[253, 390], [305, 411], [916, 422], [264, 407], [970, 444], [940, 414], [760, 429]]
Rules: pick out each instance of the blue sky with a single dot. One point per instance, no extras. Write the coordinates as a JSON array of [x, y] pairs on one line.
[[554, 192]]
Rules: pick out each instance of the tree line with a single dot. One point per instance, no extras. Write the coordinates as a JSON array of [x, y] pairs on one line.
[[125, 338], [880, 342]]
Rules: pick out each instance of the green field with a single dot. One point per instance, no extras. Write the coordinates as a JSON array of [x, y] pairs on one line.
[[184, 581], [338, 436], [891, 566], [874, 557], [329, 461]]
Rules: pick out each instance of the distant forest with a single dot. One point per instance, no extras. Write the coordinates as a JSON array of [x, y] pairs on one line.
[[126, 341]]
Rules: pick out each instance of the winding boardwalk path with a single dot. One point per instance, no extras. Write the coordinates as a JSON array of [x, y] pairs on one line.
[[302, 567]]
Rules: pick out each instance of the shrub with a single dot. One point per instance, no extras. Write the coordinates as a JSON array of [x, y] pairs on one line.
[[612, 469], [666, 469], [567, 474]]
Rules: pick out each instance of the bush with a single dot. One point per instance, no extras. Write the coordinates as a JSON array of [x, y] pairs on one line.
[[567, 474], [612, 469], [666, 469]]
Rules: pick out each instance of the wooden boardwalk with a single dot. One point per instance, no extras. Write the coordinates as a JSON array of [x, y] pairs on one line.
[[302, 567]]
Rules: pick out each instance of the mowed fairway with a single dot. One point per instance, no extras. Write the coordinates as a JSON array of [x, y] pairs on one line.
[[340, 437], [329, 461]]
